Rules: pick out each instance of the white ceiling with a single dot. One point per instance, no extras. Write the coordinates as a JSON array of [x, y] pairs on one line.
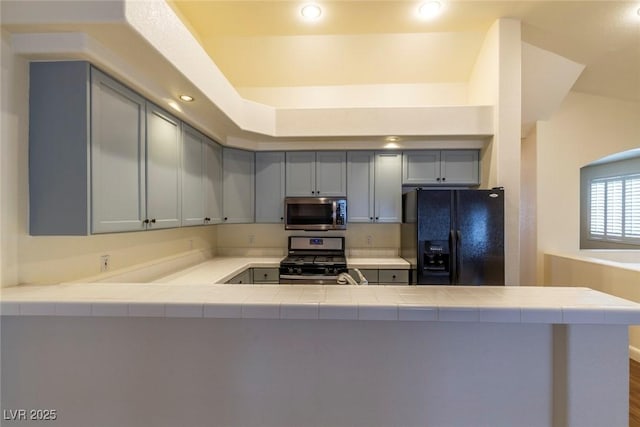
[[265, 44], [360, 47]]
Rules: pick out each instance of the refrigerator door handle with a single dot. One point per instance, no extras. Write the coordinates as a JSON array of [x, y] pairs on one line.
[[452, 259], [458, 256]]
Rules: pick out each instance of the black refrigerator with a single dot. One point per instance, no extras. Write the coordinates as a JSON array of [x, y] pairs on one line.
[[454, 237]]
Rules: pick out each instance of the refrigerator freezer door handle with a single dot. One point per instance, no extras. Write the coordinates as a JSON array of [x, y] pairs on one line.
[[453, 255], [458, 256]]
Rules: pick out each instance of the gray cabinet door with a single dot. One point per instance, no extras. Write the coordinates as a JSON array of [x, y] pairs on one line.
[[300, 174], [193, 176], [59, 181], [388, 187], [270, 183], [238, 186], [360, 186], [163, 169], [421, 167], [117, 156], [460, 167], [212, 182], [331, 173]]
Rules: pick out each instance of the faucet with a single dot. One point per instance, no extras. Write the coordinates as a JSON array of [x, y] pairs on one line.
[[344, 278], [363, 280]]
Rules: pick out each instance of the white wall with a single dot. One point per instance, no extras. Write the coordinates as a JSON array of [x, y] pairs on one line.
[[586, 128], [28, 259]]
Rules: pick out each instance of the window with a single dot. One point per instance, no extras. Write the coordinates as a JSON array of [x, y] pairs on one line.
[[615, 208], [610, 205]]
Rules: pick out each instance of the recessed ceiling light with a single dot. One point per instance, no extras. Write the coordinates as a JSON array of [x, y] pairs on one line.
[[311, 12], [429, 9], [186, 98]]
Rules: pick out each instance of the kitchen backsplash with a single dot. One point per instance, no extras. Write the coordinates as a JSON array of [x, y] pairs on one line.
[[362, 240]]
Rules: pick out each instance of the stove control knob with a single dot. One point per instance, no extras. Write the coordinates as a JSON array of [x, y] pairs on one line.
[[290, 269], [298, 270]]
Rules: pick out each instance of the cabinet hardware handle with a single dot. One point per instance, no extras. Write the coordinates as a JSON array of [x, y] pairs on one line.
[[207, 219], [265, 275], [438, 179], [393, 277], [444, 179], [225, 218], [146, 221], [153, 220], [370, 218], [377, 218]]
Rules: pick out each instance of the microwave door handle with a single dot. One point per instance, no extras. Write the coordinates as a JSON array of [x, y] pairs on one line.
[[334, 207]]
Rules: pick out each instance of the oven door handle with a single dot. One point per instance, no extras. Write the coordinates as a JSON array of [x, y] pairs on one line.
[[308, 277]]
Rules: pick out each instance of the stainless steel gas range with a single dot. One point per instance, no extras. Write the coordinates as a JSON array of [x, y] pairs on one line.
[[315, 260]]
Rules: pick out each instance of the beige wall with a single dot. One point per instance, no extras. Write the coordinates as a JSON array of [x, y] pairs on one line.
[[528, 204], [619, 280], [271, 240], [27, 259], [495, 74], [14, 113], [586, 128]]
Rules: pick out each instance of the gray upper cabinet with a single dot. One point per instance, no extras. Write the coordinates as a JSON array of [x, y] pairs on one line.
[[322, 173], [300, 173], [117, 156], [86, 152], [446, 167], [193, 176], [331, 173], [201, 179], [374, 187], [460, 167], [238, 186], [360, 184], [163, 169], [212, 182], [270, 183], [388, 188], [421, 167]]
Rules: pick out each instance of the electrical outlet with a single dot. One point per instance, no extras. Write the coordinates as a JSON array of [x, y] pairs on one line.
[[105, 263], [369, 240], [252, 239], [190, 244]]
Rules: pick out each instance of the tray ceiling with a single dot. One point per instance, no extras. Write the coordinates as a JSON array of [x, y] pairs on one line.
[[265, 44]]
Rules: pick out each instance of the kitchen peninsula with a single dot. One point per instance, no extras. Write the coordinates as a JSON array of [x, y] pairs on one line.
[[194, 353]]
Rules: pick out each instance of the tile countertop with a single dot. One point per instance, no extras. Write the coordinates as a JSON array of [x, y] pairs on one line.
[[221, 269], [193, 293]]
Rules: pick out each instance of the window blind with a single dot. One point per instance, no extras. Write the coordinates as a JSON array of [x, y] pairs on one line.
[[615, 208]]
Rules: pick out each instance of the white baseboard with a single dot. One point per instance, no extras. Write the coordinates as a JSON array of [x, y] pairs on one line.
[[634, 353]]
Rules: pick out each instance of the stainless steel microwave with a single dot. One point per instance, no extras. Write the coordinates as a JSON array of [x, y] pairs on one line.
[[315, 213]]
